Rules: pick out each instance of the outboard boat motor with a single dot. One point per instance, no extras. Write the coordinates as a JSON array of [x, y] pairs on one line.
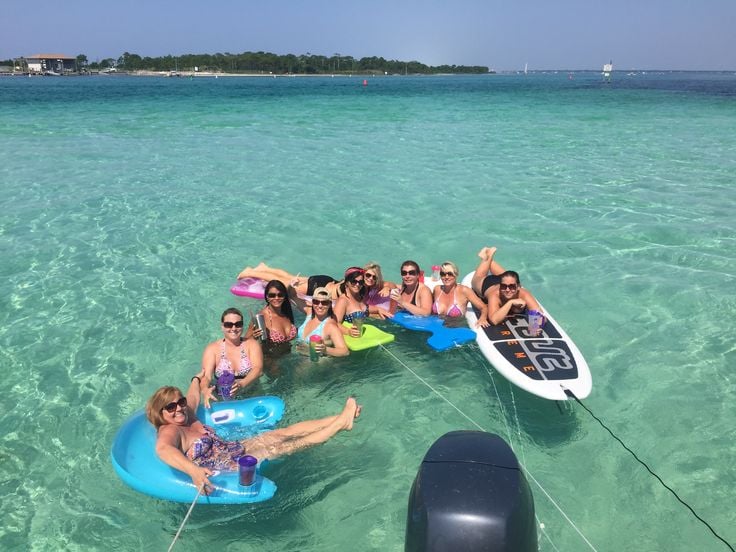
[[469, 495]]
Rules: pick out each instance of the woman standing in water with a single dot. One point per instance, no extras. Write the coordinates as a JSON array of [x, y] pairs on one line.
[[413, 296], [451, 299], [377, 290], [233, 353], [350, 305], [279, 319], [322, 322]]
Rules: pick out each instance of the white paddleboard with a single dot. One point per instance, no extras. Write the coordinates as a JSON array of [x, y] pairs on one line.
[[544, 365]]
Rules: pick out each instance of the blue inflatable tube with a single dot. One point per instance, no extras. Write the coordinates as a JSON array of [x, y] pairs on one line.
[[134, 456]]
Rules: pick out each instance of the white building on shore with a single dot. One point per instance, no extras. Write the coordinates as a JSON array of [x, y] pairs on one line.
[[50, 63]]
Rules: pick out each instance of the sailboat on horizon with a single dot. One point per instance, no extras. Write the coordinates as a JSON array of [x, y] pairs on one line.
[[607, 70], [526, 68]]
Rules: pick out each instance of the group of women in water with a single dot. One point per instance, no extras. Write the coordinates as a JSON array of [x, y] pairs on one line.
[[186, 444]]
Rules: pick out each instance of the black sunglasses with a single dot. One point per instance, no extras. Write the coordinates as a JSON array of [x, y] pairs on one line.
[[229, 325], [508, 286], [444, 274], [171, 407], [408, 272], [274, 295], [359, 282], [324, 303]]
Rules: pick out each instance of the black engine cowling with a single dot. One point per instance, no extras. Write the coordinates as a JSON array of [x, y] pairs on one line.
[[470, 495]]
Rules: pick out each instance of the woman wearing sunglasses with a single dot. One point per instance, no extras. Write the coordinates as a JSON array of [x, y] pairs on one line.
[[234, 353], [322, 322], [186, 444], [377, 290], [451, 299], [508, 297], [412, 296], [279, 318], [350, 305]]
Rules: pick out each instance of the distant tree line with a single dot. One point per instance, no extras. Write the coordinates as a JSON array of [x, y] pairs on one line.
[[264, 62]]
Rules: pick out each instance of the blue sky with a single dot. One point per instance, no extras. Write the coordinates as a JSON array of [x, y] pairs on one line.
[[500, 34]]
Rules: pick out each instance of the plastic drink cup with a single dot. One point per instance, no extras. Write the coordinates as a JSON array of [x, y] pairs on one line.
[[534, 319], [394, 297], [313, 341], [224, 383], [358, 322], [247, 470], [435, 272]]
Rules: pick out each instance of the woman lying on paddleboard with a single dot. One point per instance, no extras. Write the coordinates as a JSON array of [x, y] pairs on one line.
[[507, 298]]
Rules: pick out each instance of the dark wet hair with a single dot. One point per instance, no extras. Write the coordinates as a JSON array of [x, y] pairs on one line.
[[416, 267], [411, 263], [511, 273], [286, 305], [231, 310], [350, 275]]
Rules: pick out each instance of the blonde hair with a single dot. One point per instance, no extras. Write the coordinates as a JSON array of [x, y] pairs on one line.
[[375, 267], [451, 265], [155, 405]]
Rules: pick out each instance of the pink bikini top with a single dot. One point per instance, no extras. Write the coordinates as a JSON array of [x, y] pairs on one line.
[[454, 309], [276, 336], [224, 365]]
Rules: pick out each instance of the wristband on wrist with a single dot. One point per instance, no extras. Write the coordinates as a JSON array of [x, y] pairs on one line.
[[197, 378]]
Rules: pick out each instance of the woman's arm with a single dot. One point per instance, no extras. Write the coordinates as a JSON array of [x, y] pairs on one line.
[[531, 302], [169, 450], [194, 392], [341, 305], [339, 347], [476, 301], [496, 311], [255, 354], [208, 372], [385, 291]]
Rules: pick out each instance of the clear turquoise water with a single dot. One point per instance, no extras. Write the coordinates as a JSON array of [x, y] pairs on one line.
[[129, 205]]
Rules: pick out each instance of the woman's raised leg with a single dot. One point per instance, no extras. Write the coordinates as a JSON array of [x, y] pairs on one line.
[[487, 265], [281, 442], [265, 272]]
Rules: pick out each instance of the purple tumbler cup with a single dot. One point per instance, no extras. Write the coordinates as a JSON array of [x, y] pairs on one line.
[[224, 383], [247, 470]]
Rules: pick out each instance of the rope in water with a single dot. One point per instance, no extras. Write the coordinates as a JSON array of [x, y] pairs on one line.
[[537, 483], [597, 419], [511, 442], [186, 518]]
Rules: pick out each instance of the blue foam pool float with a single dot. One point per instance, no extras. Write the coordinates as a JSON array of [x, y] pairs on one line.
[[442, 337], [134, 454]]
